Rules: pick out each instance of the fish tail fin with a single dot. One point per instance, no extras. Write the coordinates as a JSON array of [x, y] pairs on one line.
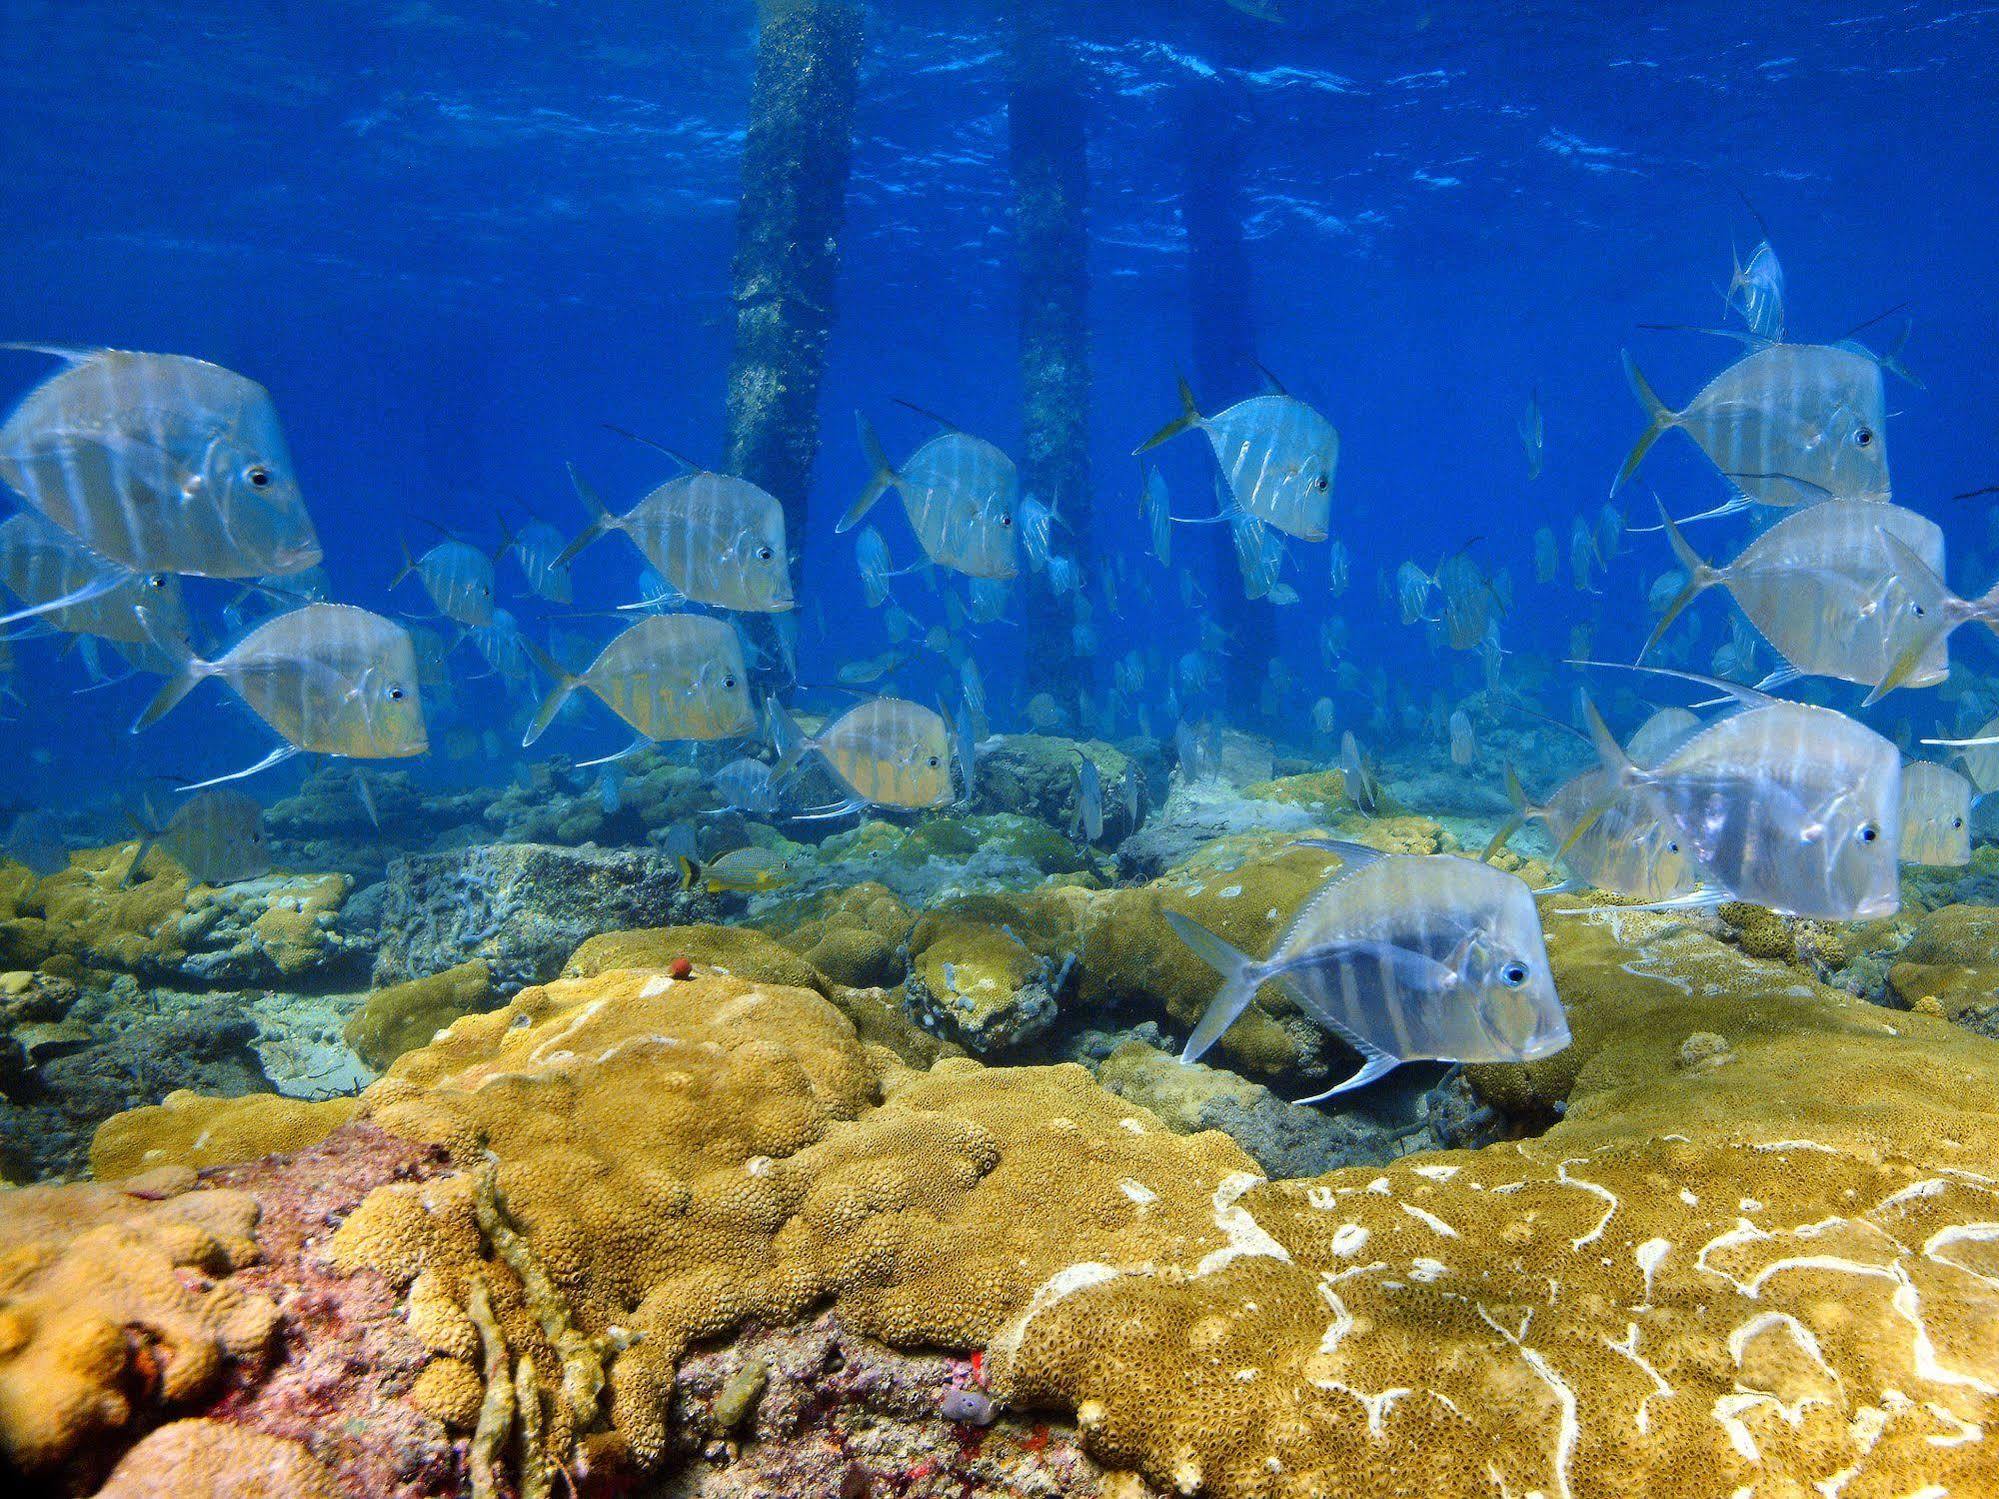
[[189, 672], [1187, 420], [565, 684], [881, 474], [1524, 812], [1660, 415], [409, 562], [791, 740], [601, 518], [145, 831], [1700, 578], [1615, 762], [1241, 974], [690, 873]]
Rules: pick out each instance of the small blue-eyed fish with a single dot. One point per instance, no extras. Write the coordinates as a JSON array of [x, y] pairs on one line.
[[535, 547], [1089, 800], [1756, 293], [1830, 588], [746, 785], [1405, 957], [678, 841], [714, 539], [1632, 847], [886, 752], [742, 871], [1782, 804], [43, 565], [1547, 556], [216, 836], [959, 492], [669, 676], [1464, 745], [1584, 555], [457, 576], [866, 672], [1036, 522], [1157, 505], [499, 641], [1532, 433], [1362, 785], [1339, 567], [1936, 815], [160, 463], [871, 558], [1786, 424], [1277, 455], [330, 678]]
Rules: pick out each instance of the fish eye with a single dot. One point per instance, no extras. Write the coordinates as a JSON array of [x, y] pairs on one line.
[[1672, 848], [934, 762], [157, 580], [1920, 610], [1513, 975], [1322, 483], [1006, 520], [395, 694], [1956, 823], [258, 475], [764, 554], [1864, 437], [1869, 833]]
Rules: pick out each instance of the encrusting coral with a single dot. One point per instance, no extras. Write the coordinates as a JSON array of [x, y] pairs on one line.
[[190, 1129], [406, 1015]]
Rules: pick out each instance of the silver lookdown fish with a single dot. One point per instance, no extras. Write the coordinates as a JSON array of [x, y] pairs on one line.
[[670, 676], [1936, 815], [1405, 957], [457, 576], [216, 836], [887, 752], [713, 538], [959, 493], [43, 565], [1277, 455]]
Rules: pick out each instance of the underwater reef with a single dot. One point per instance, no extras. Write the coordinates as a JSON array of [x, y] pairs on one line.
[[898, 1187]]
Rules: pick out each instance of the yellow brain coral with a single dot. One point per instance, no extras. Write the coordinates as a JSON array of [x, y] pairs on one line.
[[191, 1129], [108, 1312], [217, 1461]]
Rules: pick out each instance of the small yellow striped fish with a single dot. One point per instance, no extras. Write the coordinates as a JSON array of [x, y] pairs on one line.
[[1405, 957], [744, 871], [1936, 815], [160, 463], [670, 676]]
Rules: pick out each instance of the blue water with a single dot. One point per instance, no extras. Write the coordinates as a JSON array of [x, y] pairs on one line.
[[453, 239]]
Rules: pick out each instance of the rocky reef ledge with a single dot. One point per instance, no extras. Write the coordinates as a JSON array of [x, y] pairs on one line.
[[632, 1233]]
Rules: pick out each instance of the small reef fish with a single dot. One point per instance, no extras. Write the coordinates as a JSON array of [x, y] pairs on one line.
[[459, 579], [1829, 588], [747, 785], [1412, 592], [1756, 293], [1322, 717], [714, 539], [1786, 424], [1156, 504], [44, 566], [871, 558], [959, 493], [1404, 957], [1363, 789], [1547, 556], [499, 640], [1339, 567], [1090, 800], [1532, 433], [1464, 746], [160, 463], [1036, 523], [536, 548], [1132, 790], [1584, 555], [1936, 815], [1469, 601], [330, 678], [1632, 848], [887, 752], [1783, 804], [873, 669], [216, 836], [1609, 532], [1277, 455], [669, 676], [745, 871]]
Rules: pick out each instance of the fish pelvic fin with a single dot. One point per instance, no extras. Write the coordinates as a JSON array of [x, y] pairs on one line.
[[1241, 974], [601, 518], [1700, 578], [881, 475], [565, 682], [189, 671], [1659, 414], [791, 740], [1188, 419]]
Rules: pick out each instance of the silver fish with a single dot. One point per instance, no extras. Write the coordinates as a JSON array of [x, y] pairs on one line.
[[1532, 433], [871, 557], [216, 836], [1090, 800], [1277, 454], [160, 463], [459, 579], [1404, 957], [1363, 787], [748, 786], [1464, 745], [958, 491], [1786, 424], [1936, 815], [669, 676], [1756, 293], [1412, 592], [1339, 564], [887, 752], [535, 547], [1259, 552], [1631, 848], [1133, 793], [1662, 733], [1584, 555], [1547, 556], [1036, 522], [1158, 515], [715, 539], [44, 565], [330, 678]]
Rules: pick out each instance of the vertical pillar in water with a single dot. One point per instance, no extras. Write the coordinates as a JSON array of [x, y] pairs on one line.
[[787, 263], [1211, 129], [1047, 147]]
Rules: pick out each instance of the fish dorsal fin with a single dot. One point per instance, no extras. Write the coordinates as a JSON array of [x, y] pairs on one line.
[[943, 421], [680, 458], [1749, 697], [71, 353], [1354, 858], [1754, 341], [1276, 385]]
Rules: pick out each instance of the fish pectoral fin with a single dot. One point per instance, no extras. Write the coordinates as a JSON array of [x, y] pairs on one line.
[[1377, 1064], [635, 747], [276, 757], [1700, 898], [97, 587]]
